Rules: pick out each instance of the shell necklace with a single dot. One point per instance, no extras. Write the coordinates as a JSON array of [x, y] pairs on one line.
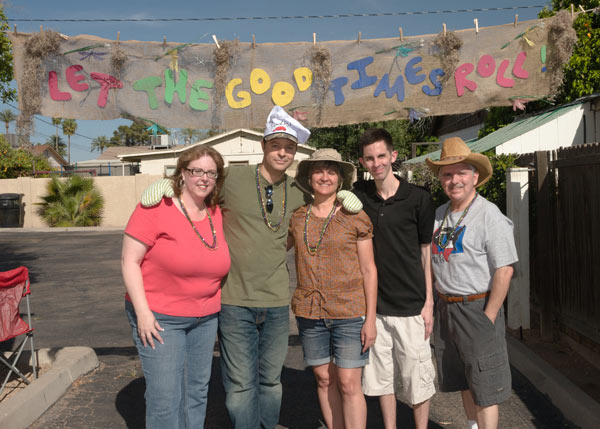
[[214, 244], [272, 226], [462, 216], [312, 250]]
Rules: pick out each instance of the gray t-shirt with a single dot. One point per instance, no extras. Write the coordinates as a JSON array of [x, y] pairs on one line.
[[482, 243]]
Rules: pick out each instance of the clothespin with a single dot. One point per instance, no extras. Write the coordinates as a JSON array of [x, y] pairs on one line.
[[15, 31], [358, 40], [581, 8], [572, 11], [516, 19], [118, 37], [164, 41], [401, 37], [42, 28], [216, 41], [444, 27], [314, 38], [476, 22], [253, 41]]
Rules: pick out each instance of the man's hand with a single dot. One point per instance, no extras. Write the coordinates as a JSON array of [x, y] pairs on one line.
[[349, 201], [427, 315], [368, 334], [156, 191]]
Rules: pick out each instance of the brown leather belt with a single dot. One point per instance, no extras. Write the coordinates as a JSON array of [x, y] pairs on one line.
[[465, 298]]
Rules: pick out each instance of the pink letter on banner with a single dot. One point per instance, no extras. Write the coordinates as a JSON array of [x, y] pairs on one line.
[[55, 94], [486, 66], [461, 81], [500, 79], [106, 82], [73, 78], [518, 70]]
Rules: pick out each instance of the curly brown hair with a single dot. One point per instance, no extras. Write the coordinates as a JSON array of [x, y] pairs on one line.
[[193, 154]]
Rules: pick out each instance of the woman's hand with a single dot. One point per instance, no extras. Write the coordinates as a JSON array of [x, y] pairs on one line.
[[148, 329], [368, 333]]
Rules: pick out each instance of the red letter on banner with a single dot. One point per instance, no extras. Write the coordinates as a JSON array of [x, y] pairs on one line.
[[55, 94], [73, 78]]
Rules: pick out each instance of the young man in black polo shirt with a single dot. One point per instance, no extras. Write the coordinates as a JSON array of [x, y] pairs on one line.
[[402, 215]]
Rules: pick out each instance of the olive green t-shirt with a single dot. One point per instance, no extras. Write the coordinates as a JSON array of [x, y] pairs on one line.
[[258, 275]]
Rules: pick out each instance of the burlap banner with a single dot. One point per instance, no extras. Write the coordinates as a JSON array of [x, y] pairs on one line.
[[235, 85]]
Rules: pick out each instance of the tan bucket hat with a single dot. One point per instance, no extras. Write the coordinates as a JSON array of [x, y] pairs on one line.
[[455, 151], [327, 154]]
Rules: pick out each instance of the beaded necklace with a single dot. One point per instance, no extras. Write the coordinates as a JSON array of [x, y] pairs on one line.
[[273, 227], [313, 250], [462, 216], [212, 246]]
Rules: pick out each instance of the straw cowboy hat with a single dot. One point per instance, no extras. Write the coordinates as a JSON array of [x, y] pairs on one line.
[[455, 151], [347, 168]]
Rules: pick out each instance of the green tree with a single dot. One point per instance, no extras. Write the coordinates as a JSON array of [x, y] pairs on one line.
[[74, 201], [189, 135], [7, 116], [6, 61], [19, 162], [57, 122], [344, 138], [69, 126], [58, 144], [135, 134], [100, 143]]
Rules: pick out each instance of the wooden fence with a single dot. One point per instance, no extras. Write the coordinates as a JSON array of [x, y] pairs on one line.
[[565, 269]]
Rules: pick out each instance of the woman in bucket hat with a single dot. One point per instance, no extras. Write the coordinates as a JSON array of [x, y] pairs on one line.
[[335, 298]]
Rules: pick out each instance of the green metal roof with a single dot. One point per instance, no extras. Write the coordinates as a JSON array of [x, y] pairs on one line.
[[504, 134]]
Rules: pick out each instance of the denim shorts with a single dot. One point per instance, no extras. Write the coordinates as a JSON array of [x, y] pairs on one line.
[[340, 338]]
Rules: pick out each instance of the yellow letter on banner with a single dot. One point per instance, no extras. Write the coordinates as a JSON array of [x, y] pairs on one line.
[[304, 77], [244, 95], [283, 93], [260, 82]]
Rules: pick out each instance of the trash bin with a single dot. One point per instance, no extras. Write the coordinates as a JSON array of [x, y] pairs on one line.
[[11, 211]]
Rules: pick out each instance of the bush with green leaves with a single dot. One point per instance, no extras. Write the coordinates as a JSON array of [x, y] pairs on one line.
[[494, 190], [19, 162], [74, 201]]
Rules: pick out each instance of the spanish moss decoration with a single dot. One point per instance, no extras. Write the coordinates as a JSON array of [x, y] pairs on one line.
[[37, 49], [118, 57], [222, 55], [320, 64], [562, 38], [448, 47]]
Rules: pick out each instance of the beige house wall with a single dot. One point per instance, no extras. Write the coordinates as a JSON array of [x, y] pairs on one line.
[[121, 195]]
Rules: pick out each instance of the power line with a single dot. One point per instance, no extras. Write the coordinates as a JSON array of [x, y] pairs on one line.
[[259, 18]]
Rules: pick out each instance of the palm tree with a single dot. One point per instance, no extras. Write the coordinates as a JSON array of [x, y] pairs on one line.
[[7, 116], [71, 202], [100, 143], [58, 144], [189, 134], [69, 126], [57, 122]]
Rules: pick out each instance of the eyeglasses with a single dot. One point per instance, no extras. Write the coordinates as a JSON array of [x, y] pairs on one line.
[[198, 172], [269, 194]]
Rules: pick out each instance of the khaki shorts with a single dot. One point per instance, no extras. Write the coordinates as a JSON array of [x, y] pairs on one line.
[[400, 361]]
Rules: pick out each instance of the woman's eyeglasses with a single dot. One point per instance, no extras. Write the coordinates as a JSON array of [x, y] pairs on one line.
[[198, 172], [269, 195]]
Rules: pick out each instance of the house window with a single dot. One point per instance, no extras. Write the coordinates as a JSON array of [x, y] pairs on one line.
[[169, 170]]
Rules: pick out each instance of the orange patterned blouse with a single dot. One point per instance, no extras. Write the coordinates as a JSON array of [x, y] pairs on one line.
[[330, 284]]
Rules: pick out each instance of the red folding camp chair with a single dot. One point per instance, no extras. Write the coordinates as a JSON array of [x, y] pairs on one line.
[[14, 285]]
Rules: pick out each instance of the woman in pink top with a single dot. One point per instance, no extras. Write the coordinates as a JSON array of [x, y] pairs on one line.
[[174, 259]]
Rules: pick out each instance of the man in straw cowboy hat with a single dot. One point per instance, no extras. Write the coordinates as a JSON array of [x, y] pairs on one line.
[[257, 204], [402, 216], [473, 251]]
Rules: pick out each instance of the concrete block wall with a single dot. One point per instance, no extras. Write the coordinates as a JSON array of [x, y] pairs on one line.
[[121, 195]]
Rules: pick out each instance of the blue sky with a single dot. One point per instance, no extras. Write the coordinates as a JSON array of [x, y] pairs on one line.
[[265, 30]]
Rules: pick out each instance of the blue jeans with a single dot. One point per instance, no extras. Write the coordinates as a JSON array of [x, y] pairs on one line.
[[253, 344], [332, 340], [177, 372]]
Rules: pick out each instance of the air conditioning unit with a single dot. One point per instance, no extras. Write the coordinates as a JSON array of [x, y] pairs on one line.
[[159, 142]]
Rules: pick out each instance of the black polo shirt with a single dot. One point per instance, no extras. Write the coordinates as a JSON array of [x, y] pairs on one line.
[[400, 225]]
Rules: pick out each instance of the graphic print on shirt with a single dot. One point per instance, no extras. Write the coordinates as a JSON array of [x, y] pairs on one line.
[[451, 241]]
